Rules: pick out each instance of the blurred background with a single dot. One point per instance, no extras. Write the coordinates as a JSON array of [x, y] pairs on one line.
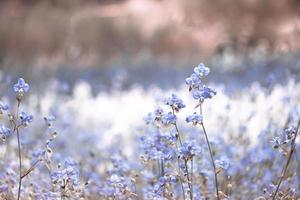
[[149, 41]]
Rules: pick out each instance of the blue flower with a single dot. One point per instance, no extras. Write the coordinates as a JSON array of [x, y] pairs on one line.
[[115, 179], [223, 163], [3, 107], [201, 70], [4, 132], [175, 102], [25, 119], [194, 118], [169, 118], [68, 174], [193, 81], [188, 150], [290, 133], [149, 118], [204, 93], [21, 87]]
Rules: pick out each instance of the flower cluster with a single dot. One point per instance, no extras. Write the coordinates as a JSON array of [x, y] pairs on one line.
[[4, 132], [25, 119], [175, 103], [188, 150], [21, 87], [3, 107], [200, 92], [159, 117], [194, 119]]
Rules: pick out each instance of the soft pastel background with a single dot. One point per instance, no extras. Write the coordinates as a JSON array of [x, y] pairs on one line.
[[118, 55], [147, 40]]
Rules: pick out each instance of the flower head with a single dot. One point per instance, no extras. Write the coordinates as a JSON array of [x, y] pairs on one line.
[[169, 118], [193, 81], [188, 150], [68, 173], [3, 107], [4, 132], [201, 70], [175, 102], [204, 93], [25, 119], [194, 118], [21, 87], [223, 163]]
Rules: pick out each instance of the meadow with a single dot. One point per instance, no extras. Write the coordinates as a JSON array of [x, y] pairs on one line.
[[195, 141]]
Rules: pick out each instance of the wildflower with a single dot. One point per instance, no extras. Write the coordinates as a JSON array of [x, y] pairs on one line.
[[158, 113], [175, 102], [3, 107], [115, 179], [188, 150], [21, 87], [201, 70], [4, 132], [25, 119], [43, 155], [157, 145], [290, 133], [223, 163], [164, 180], [69, 175], [149, 118], [193, 81], [276, 142], [194, 118], [169, 118], [204, 93]]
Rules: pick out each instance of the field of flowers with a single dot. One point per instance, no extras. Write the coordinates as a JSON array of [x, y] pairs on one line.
[[194, 142]]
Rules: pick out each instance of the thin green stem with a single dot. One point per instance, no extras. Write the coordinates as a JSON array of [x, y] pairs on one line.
[[211, 154], [30, 169], [185, 162], [188, 179], [292, 150], [19, 152], [177, 130], [192, 178], [180, 179]]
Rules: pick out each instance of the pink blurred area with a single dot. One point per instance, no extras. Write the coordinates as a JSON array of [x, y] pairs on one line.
[[90, 32]]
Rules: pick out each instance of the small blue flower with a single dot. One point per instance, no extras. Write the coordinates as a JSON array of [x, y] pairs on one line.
[[193, 81], [3, 107], [68, 174], [21, 87], [169, 118], [223, 163], [204, 93], [149, 119], [25, 119], [290, 133], [158, 113], [175, 102], [194, 118], [4, 132], [201, 70], [115, 179], [188, 150]]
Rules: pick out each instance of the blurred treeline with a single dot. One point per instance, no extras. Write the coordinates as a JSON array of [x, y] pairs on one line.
[[103, 32]]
